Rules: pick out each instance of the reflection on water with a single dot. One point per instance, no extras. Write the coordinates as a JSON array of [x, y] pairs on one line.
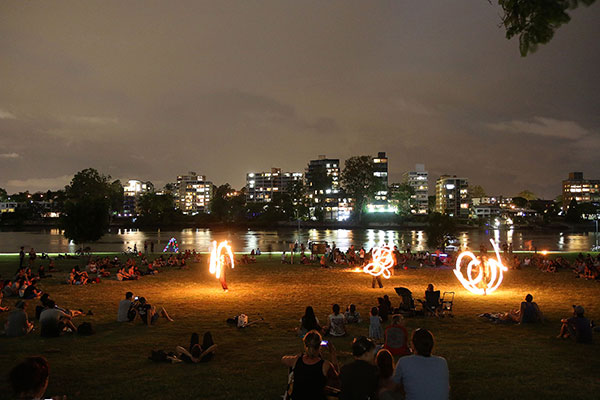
[[52, 240]]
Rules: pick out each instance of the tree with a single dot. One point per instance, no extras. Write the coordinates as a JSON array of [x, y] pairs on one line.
[[535, 21], [156, 209], [320, 181], [90, 199], [3, 194], [573, 212], [359, 182], [476, 191], [520, 202], [402, 195], [297, 192], [527, 195], [440, 229]]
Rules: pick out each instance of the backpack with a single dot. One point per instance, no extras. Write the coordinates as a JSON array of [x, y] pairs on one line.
[[85, 329], [242, 321]]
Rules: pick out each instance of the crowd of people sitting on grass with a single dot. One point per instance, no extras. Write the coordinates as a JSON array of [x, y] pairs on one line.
[[316, 372]]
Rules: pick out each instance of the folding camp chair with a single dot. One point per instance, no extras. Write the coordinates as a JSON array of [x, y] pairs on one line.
[[432, 304], [407, 307], [447, 303]]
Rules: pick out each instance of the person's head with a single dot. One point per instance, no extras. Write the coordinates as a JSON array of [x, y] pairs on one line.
[[309, 312], [578, 310], [374, 311], [397, 319], [385, 363], [22, 248], [50, 303], [386, 297], [422, 341], [312, 343], [128, 295], [430, 287], [44, 298], [529, 298], [352, 308], [336, 309], [29, 379], [142, 300], [363, 348]]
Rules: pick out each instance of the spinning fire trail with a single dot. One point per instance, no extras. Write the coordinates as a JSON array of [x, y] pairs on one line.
[[221, 256], [489, 275]]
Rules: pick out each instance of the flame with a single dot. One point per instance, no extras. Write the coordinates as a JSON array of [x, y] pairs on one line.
[[383, 260], [217, 259], [489, 276]]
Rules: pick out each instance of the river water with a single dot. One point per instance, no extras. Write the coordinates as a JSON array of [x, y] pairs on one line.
[[52, 240]]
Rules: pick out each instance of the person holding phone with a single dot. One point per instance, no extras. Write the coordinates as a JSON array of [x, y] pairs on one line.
[[311, 370]]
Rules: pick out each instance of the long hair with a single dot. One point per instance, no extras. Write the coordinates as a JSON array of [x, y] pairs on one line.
[[309, 321], [385, 363]]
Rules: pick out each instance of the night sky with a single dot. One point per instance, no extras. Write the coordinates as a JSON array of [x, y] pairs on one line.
[[150, 90]]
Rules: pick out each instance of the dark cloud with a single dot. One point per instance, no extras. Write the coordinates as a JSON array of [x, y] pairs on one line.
[[152, 89]]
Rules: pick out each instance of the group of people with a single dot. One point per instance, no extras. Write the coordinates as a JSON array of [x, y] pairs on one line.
[[316, 373], [53, 320]]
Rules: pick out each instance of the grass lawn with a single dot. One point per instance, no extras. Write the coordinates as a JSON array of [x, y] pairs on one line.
[[486, 361]]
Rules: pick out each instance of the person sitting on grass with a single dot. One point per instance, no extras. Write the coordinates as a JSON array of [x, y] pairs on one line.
[[308, 322], [53, 322], [336, 322], [17, 323], [148, 313], [360, 378], [283, 258], [197, 353], [29, 379], [529, 312], [1, 297], [311, 370], [388, 390], [352, 316], [423, 375], [577, 327], [124, 308]]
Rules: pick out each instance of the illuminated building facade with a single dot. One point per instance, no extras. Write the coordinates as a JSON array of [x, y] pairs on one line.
[[193, 193], [262, 186], [323, 188], [579, 189], [380, 170], [131, 195], [451, 196], [419, 181]]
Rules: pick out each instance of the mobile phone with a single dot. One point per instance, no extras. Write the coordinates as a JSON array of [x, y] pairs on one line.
[[324, 343], [136, 298]]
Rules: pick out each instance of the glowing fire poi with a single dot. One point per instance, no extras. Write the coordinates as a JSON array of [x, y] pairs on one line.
[[217, 258], [490, 272], [383, 260]]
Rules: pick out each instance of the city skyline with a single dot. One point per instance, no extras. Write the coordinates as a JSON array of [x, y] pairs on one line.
[[225, 90]]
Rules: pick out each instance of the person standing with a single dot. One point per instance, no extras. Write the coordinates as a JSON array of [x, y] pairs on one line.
[[151, 246], [145, 247], [21, 257]]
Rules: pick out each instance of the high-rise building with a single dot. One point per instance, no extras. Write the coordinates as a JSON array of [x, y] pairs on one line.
[[451, 196], [131, 196], [579, 189], [323, 188], [261, 186], [193, 193], [380, 170], [418, 180]]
